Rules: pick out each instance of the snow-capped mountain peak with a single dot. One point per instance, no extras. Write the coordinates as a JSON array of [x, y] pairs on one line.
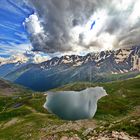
[[120, 61]]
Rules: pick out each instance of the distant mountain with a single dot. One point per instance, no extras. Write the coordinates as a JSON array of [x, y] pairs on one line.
[[7, 65], [94, 67], [10, 67], [119, 61], [10, 64]]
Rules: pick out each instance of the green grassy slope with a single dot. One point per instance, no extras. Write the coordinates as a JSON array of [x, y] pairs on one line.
[[122, 97], [22, 116], [122, 103], [9, 89]]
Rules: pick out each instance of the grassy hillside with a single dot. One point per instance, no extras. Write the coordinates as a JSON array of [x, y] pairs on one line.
[[23, 117], [121, 104], [9, 89]]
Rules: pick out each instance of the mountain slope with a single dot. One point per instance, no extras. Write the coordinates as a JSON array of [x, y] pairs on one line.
[[98, 67], [10, 89], [8, 68]]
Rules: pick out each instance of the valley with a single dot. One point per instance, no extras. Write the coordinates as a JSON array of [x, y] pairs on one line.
[[105, 66], [22, 115], [69, 70]]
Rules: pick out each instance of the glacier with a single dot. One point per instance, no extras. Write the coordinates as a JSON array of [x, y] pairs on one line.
[[74, 105]]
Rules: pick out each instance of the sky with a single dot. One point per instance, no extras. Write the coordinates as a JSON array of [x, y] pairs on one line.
[[77, 26], [13, 36], [58, 27]]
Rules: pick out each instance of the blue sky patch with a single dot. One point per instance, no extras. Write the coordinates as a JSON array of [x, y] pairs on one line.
[[12, 31], [92, 25]]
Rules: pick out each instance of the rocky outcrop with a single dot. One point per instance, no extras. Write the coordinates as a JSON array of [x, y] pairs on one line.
[[113, 136], [119, 61]]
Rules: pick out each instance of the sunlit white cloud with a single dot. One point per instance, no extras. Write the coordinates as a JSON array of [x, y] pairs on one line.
[[14, 59], [24, 57], [33, 25]]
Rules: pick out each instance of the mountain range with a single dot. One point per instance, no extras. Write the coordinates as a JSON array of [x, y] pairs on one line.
[[104, 66]]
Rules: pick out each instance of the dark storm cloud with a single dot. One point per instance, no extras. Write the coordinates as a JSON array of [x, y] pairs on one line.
[[59, 17]]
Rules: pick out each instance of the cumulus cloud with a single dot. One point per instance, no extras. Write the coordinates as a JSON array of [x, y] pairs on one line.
[[14, 59], [36, 57], [26, 57], [84, 26]]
